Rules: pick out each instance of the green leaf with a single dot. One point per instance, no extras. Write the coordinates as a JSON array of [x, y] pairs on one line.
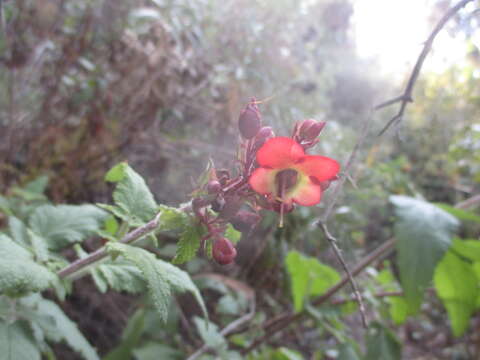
[[161, 276], [456, 285], [119, 277], [309, 277], [188, 245], [398, 309], [39, 245], [210, 334], [38, 185], [63, 225], [16, 343], [155, 351], [284, 353], [347, 352], [57, 326], [130, 337], [18, 231], [423, 232], [460, 214], [5, 206], [469, 249], [172, 219], [232, 234], [19, 274], [382, 344], [132, 193]]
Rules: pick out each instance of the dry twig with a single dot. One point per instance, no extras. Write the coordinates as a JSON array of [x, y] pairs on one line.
[[406, 97]]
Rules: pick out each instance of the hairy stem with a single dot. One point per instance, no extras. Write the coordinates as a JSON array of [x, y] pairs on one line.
[[101, 253]]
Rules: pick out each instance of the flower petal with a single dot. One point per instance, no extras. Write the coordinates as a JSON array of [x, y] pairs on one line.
[[263, 181], [308, 194], [321, 168], [279, 152]]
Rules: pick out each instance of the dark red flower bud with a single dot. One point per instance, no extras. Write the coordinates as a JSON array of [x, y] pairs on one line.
[[309, 129], [244, 221], [214, 187], [249, 121], [263, 135], [223, 251]]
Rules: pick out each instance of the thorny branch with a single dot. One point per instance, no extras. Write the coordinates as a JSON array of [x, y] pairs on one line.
[[406, 97], [286, 319], [358, 296]]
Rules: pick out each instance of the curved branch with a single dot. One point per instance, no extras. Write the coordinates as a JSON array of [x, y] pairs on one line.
[[406, 97]]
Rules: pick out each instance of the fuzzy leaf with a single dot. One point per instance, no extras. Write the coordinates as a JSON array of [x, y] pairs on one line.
[[172, 219], [18, 231], [308, 277], [57, 326], [39, 245], [188, 245], [16, 343], [62, 225], [132, 193], [210, 334], [461, 214], [160, 276], [456, 285], [120, 277], [19, 274], [423, 233]]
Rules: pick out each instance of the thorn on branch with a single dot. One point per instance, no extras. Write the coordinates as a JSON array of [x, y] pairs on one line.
[[338, 253]]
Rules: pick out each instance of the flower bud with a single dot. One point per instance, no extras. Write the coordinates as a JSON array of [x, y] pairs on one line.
[[309, 129], [213, 187], [263, 135], [249, 121], [244, 221], [223, 251]]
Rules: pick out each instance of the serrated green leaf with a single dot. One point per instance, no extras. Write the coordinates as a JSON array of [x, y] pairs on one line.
[[158, 286], [382, 344], [19, 273], [121, 277], [116, 173], [469, 249], [39, 245], [18, 231], [63, 225], [12, 250], [111, 225], [115, 210], [460, 214], [456, 285], [132, 193], [160, 276], [423, 232], [5, 205], [188, 245], [308, 277], [16, 343], [232, 234], [172, 219], [57, 326]]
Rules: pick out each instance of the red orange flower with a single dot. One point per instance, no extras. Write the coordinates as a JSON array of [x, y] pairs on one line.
[[288, 175]]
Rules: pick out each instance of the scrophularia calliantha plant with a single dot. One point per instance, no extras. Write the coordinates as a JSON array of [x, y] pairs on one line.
[[274, 173]]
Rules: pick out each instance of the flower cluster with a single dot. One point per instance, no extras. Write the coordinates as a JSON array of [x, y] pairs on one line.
[[275, 173]]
